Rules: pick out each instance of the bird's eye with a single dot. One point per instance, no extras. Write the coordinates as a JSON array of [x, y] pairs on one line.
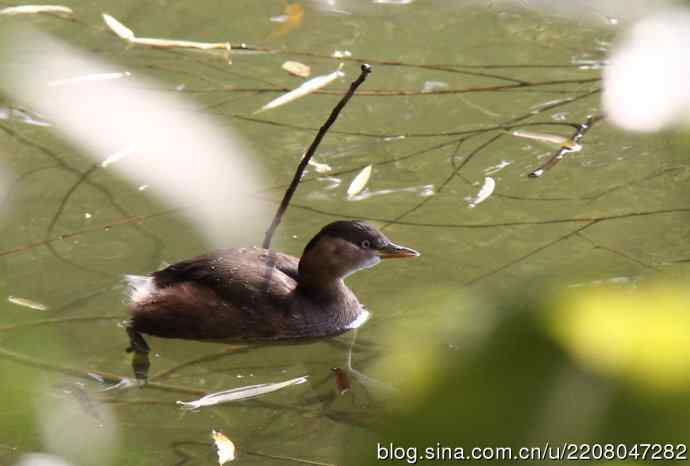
[[366, 244]]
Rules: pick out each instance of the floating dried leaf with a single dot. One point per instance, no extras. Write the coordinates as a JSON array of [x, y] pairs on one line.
[[543, 137], [225, 447], [360, 182], [296, 68], [123, 32], [90, 77], [240, 393], [320, 167], [27, 303], [342, 381], [306, 88], [120, 30], [342, 54], [486, 191], [37, 9], [180, 44]]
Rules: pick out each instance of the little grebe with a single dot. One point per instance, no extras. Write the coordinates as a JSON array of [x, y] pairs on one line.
[[259, 294]]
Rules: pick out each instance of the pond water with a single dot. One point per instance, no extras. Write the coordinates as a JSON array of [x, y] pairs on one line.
[[450, 83]]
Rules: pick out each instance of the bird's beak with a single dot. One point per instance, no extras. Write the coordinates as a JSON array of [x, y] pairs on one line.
[[394, 251]]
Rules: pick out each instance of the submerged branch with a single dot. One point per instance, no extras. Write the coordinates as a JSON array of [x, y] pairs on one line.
[[88, 374]]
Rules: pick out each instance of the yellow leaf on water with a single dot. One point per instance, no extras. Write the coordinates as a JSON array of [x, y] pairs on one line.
[[294, 14], [360, 182], [225, 447]]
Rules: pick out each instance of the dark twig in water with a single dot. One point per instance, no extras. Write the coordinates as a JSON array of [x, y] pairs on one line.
[[569, 147], [366, 69]]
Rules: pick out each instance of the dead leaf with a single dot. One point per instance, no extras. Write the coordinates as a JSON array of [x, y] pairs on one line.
[[297, 69], [306, 88], [360, 182], [37, 9], [225, 447]]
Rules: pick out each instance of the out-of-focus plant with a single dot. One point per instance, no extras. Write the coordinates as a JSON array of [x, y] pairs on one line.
[[646, 82], [149, 137], [593, 365], [640, 335]]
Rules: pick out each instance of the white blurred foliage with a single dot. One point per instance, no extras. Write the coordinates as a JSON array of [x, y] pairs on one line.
[[647, 84], [5, 176], [41, 459], [70, 429], [181, 153], [595, 11]]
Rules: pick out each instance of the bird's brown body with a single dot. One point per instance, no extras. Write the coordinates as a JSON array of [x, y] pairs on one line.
[[259, 294]]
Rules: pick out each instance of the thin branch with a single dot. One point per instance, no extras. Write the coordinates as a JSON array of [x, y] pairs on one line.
[[366, 69]]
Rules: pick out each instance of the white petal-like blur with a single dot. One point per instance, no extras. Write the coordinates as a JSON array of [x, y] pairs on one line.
[[41, 459], [76, 426], [181, 154], [646, 84]]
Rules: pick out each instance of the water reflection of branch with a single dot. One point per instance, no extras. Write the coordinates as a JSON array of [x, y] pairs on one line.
[[556, 221], [143, 218], [616, 252], [88, 374], [226, 351], [395, 136], [529, 254], [82, 178], [61, 320], [471, 155], [401, 92], [600, 194], [445, 182], [397, 63]]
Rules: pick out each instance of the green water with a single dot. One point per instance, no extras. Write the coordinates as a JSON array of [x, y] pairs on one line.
[[613, 210]]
